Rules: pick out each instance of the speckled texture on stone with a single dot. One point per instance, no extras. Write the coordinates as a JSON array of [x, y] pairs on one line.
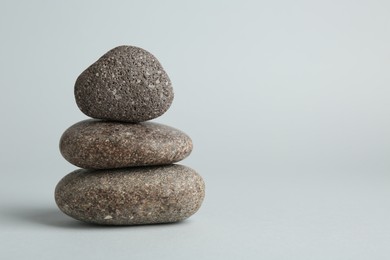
[[97, 144], [125, 84], [142, 195]]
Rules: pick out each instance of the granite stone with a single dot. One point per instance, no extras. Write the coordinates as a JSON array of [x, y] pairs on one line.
[[126, 84], [131, 196], [98, 144]]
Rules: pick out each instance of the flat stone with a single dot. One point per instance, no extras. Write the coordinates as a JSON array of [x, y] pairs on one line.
[[126, 84], [131, 196], [97, 144]]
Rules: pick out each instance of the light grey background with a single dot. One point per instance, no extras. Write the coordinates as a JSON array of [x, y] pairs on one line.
[[287, 103]]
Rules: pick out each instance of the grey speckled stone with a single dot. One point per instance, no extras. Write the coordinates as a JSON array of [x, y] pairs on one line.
[[125, 84], [143, 195], [96, 144]]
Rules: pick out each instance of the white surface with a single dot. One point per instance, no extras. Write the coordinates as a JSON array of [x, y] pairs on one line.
[[287, 103]]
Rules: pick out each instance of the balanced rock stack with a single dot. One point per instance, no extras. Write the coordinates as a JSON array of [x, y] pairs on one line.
[[129, 177]]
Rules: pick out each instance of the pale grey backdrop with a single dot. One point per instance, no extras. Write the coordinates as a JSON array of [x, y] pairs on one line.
[[287, 103]]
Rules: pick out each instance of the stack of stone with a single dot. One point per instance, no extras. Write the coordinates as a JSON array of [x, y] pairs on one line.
[[129, 177]]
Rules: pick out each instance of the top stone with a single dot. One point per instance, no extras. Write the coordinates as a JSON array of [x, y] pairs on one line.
[[126, 84]]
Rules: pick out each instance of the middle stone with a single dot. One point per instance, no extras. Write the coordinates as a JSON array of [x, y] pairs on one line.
[[97, 144]]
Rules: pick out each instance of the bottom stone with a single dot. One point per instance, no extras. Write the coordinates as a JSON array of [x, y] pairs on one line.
[[131, 196]]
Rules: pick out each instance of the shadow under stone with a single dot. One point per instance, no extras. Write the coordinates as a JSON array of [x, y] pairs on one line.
[[53, 217]]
